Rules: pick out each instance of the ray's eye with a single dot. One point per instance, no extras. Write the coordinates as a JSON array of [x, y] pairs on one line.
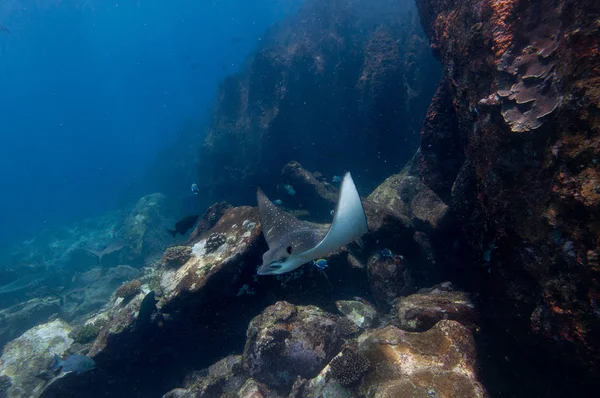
[[289, 249]]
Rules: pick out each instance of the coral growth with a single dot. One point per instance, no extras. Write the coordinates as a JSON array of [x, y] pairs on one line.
[[215, 241], [348, 367], [176, 256], [128, 289]]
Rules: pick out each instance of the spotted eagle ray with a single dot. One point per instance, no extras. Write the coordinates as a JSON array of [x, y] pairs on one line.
[[293, 242]]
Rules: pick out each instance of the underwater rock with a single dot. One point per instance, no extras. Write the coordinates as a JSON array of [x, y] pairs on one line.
[[287, 341], [92, 290], [86, 333], [318, 197], [29, 356], [389, 277], [530, 131], [342, 66], [420, 311], [144, 231], [208, 220], [390, 362], [407, 195], [224, 378], [254, 389], [179, 393], [176, 256], [20, 317], [240, 227], [127, 321], [361, 313]]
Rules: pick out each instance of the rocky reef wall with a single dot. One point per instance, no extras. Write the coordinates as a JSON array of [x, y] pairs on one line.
[[340, 85], [512, 143]]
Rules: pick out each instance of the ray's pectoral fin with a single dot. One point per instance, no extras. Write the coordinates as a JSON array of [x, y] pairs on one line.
[[293, 242], [349, 222]]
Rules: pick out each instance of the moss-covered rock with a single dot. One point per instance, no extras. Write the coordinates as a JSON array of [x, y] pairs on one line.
[[88, 332]]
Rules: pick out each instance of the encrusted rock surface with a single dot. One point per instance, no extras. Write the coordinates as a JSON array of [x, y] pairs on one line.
[[407, 195], [420, 311], [27, 360], [211, 216], [287, 341], [390, 362], [520, 160], [222, 379], [20, 317], [389, 277], [176, 256], [240, 227]]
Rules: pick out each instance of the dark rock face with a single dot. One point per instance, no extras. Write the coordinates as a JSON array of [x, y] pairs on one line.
[[224, 378], [317, 196], [362, 72], [288, 340], [516, 150], [388, 278]]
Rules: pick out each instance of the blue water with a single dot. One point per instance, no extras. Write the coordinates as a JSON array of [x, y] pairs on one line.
[[91, 90]]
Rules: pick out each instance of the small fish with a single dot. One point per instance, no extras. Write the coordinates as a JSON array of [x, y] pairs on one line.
[[320, 263], [386, 253], [277, 202], [184, 225], [73, 363], [195, 189], [4, 29], [336, 179], [289, 189]]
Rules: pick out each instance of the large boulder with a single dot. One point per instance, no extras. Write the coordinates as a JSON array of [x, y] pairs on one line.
[[406, 194], [144, 231], [390, 362], [26, 362], [20, 317], [287, 341], [421, 311]]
